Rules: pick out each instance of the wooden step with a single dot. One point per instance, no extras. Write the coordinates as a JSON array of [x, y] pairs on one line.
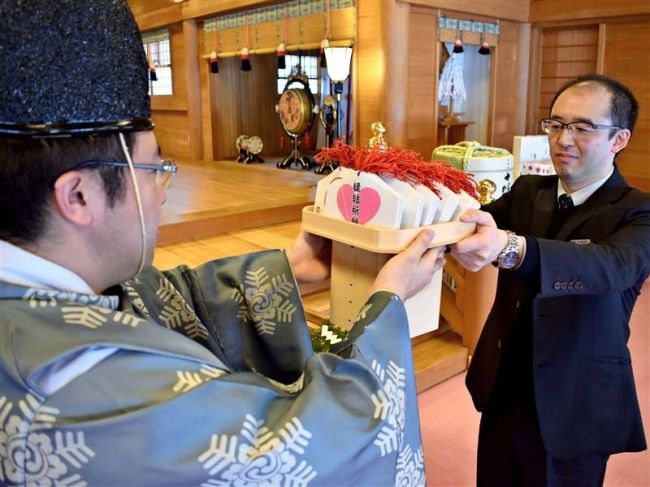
[[438, 358]]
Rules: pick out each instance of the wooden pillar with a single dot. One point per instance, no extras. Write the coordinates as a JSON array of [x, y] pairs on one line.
[[394, 104], [381, 74], [193, 83]]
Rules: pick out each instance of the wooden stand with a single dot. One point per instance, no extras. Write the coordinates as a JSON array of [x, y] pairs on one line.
[[467, 298], [358, 253], [451, 132]]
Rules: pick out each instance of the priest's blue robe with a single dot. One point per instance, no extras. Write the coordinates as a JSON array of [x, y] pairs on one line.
[[203, 377]]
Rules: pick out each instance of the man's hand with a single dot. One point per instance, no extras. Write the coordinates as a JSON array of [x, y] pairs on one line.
[[411, 270], [310, 258], [484, 246]]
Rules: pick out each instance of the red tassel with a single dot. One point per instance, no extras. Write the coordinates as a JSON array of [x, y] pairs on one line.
[[245, 60], [307, 140], [282, 142]]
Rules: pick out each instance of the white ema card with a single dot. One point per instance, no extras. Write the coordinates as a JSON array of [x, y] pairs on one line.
[[449, 202], [324, 183], [413, 201], [363, 198], [466, 203], [431, 203]]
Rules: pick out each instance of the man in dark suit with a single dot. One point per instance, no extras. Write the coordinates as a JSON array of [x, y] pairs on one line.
[[551, 373]]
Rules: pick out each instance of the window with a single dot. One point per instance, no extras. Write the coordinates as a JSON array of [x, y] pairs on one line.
[[309, 66], [157, 48]]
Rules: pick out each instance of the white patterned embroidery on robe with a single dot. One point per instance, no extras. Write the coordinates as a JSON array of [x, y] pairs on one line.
[[410, 467], [188, 380], [46, 460], [390, 405], [292, 388], [135, 298], [264, 300], [177, 312], [258, 456]]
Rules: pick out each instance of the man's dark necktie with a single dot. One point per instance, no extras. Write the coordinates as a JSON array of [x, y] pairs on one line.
[[565, 201]]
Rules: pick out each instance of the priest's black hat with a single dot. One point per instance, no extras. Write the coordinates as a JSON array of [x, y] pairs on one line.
[[71, 67]]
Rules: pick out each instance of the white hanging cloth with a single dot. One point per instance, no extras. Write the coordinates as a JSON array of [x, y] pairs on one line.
[[452, 84]]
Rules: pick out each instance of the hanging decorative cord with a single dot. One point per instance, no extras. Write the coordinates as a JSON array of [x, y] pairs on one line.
[[281, 34], [458, 45], [245, 53], [152, 65], [214, 55], [485, 47], [325, 43]]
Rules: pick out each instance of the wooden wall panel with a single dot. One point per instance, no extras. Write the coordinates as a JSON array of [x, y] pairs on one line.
[[565, 53], [627, 48], [169, 113], [224, 102], [172, 134], [244, 103], [563, 10], [508, 99]]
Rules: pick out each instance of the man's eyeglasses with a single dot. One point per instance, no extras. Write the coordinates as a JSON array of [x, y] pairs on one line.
[[164, 170], [577, 129]]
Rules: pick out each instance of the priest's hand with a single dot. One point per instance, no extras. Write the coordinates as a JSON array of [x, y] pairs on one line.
[[411, 270], [310, 258], [483, 247]]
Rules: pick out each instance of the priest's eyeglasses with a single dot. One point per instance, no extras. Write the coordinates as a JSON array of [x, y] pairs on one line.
[[164, 170], [581, 130]]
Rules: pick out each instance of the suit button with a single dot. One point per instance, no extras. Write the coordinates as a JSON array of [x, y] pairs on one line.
[[565, 285], [517, 304], [578, 284], [557, 286], [571, 284], [499, 343]]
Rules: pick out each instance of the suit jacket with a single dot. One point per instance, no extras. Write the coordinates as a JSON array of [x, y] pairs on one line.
[[590, 277]]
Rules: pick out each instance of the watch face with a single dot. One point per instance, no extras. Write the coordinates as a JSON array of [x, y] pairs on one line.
[[509, 259]]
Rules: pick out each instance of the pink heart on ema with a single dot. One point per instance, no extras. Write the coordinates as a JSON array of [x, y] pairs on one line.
[[369, 203]]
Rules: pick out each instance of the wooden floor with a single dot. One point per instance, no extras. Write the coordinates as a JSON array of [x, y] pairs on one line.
[[213, 198]]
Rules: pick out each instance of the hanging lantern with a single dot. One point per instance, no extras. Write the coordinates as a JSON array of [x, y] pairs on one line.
[[245, 59], [281, 56], [214, 62]]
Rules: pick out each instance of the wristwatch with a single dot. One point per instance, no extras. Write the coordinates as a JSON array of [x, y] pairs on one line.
[[509, 256]]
